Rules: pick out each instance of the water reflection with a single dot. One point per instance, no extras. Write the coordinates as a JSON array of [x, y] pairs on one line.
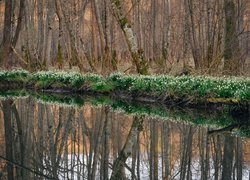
[[39, 141]]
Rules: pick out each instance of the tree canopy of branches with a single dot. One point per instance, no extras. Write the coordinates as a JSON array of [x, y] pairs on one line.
[[211, 36]]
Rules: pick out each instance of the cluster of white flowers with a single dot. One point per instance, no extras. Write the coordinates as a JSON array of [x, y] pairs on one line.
[[56, 75], [197, 86], [8, 75], [67, 78]]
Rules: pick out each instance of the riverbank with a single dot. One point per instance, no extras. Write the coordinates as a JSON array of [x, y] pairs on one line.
[[182, 90]]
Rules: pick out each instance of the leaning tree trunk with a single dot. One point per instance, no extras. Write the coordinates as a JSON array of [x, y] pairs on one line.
[[136, 53], [126, 151]]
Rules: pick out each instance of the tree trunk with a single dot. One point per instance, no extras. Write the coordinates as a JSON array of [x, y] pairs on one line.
[[5, 47], [231, 49], [127, 148], [227, 164], [19, 23], [50, 19], [6, 106], [135, 52]]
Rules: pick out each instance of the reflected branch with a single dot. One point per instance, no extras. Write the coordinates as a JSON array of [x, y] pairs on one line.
[[25, 168], [223, 130]]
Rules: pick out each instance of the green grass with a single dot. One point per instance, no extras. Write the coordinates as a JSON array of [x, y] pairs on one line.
[[195, 88]]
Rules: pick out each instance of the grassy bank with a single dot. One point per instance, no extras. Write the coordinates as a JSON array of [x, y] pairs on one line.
[[183, 89]]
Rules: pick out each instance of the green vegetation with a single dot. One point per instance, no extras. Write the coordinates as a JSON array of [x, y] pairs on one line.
[[17, 76], [194, 89], [13, 94], [214, 119], [185, 86]]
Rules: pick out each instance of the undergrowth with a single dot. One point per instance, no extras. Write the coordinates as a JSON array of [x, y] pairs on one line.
[[17, 76], [183, 87]]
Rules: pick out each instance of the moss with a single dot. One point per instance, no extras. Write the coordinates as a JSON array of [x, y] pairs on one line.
[[117, 3], [59, 56], [114, 61], [123, 21], [102, 86]]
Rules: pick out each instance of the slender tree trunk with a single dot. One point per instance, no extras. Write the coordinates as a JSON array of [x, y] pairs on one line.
[[153, 29], [50, 19], [106, 150], [239, 158], [153, 150], [20, 136], [192, 34], [19, 23], [227, 165], [6, 105], [5, 47]]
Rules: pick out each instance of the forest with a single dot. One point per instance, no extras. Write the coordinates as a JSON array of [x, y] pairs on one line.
[[191, 37], [124, 89]]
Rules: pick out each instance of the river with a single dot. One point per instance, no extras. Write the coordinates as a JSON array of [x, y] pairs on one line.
[[96, 140]]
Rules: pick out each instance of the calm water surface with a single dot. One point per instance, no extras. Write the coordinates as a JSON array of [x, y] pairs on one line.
[[44, 141]]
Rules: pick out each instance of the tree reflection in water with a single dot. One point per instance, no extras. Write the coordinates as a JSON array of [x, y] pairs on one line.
[[41, 141]]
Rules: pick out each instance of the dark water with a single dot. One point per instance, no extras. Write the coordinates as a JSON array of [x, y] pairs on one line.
[[48, 141]]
